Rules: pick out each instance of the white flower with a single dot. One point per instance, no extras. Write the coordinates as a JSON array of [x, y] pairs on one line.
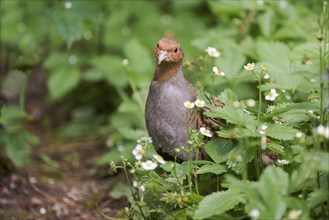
[[263, 129], [189, 104], [283, 162], [251, 103], [142, 188], [217, 71], [125, 62], [149, 165], [213, 52], [254, 213], [68, 5], [323, 131], [266, 76], [159, 158], [42, 211], [138, 152], [299, 134], [135, 184], [249, 66], [272, 95], [205, 132], [199, 103], [294, 214]]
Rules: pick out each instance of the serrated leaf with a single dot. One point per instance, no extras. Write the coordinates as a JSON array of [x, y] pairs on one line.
[[239, 157], [69, 24], [286, 107], [275, 52], [212, 168], [276, 148], [232, 62], [61, 81], [281, 132], [273, 185], [218, 149], [217, 203], [317, 196], [295, 117], [228, 96], [233, 115]]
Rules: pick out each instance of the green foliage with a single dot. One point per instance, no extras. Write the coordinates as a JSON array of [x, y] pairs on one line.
[[69, 24], [217, 203], [62, 81], [99, 62], [15, 138]]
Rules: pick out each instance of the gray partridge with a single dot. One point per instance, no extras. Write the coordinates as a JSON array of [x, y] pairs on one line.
[[167, 119]]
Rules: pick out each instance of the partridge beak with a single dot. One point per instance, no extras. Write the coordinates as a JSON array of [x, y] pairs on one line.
[[162, 56]]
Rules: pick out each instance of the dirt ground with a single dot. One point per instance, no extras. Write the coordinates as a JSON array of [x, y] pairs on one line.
[[71, 188], [62, 180]]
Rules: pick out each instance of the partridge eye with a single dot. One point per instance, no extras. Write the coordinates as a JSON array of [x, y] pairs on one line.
[[176, 50], [157, 44]]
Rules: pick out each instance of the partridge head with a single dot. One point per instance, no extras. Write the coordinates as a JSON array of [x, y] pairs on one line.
[[167, 119]]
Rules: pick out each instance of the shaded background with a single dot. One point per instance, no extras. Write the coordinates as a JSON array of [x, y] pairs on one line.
[[64, 61], [75, 75]]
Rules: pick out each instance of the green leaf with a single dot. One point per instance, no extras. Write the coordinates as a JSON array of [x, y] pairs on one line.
[[228, 96], [120, 190], [281, 132], [139, 61], [18, 151], [239, 157], [218, 149], [273, 179], [284, 108], [195, 198], [317, 196], [235, 116], [273, 185], [231, 61], [296, 117], [61, 81], [138, 56], [69, 24], [13, 83], [11, 115], [212, 168], [217, 203], [267, 23], [111, 69], [276, 53], [276, 148]]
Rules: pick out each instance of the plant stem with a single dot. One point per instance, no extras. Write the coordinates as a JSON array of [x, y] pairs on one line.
[[217, 182], [257, 162], [259, 98], [258, 153], [22, 93], [132, 192], [196, 175]]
